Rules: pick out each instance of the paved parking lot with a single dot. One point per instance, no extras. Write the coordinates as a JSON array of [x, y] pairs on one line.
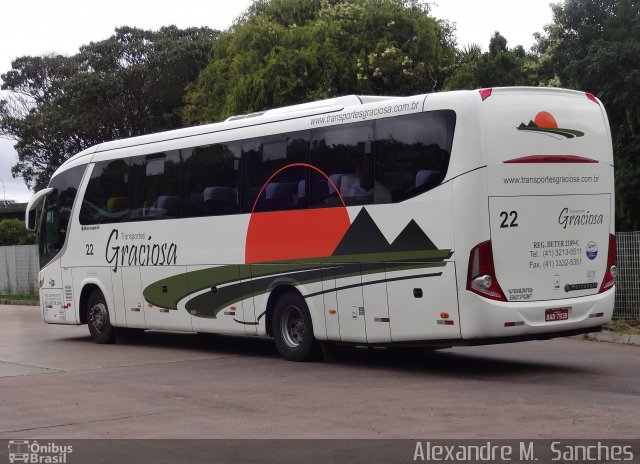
[[56, 383]]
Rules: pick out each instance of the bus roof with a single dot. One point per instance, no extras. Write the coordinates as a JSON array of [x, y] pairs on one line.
[[239, 121], [320, 107]]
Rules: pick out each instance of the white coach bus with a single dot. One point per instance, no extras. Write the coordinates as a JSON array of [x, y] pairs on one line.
[[454, 218]]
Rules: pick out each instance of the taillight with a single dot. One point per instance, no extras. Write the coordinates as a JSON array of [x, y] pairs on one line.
[[481, 277], [611, 271]]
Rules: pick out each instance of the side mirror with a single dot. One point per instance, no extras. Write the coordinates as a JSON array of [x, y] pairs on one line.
[[30, 213], [30, 221]]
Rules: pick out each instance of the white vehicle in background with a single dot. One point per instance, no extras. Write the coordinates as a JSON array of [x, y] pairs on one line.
[[465, 217]]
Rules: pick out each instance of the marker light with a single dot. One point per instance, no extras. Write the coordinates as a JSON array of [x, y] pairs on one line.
[[485, 93], [592, 97]]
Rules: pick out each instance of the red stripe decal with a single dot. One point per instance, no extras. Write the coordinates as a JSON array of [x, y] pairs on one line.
[[551, 159]]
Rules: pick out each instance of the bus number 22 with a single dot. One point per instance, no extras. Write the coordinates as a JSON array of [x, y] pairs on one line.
[[89, 249], [505, 218]]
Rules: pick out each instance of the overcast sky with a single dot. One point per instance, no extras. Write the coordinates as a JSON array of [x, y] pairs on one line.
[[36, 27]]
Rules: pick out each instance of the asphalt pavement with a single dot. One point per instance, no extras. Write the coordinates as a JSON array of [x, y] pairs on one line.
[[56, 383]]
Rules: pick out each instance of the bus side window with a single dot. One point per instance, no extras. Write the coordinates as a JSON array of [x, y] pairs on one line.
[[210, 180], [412, 154], [274, 159], [155, 186], [345, 154], [106, 198]]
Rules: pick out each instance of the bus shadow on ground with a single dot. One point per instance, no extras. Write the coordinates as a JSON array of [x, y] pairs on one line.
[[466, 362], [457, 362]]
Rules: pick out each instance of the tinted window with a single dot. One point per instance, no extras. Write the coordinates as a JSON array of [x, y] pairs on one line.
[[264, 157], [409, 155], [345, 154], [155, 186], [412, 154], [107, 196], [57, 211], [211, 177]]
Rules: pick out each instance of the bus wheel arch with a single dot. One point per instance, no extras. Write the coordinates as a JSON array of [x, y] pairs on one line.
[[97, 315], [291, 326], [274, 296], [87, 290]]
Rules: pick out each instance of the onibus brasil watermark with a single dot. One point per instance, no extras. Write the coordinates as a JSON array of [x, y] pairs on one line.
[[32, 452]]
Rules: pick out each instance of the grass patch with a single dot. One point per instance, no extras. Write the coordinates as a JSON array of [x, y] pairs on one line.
[[625, 326], [19, 297]]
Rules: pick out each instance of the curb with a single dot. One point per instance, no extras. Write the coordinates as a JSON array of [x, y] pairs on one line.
[[20, 302], [611, 337]]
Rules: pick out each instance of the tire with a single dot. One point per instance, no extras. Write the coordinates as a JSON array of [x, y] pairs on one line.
[[98, 321], [292, 328]]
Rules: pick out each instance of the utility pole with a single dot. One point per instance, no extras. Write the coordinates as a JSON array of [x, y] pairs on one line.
[[4, 193]]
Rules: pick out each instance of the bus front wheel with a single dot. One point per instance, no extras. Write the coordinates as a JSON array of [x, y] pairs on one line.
[[292, 328], [98, 318]]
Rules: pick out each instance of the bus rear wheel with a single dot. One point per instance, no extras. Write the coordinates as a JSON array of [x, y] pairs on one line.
[[98, 321], [292, 328]]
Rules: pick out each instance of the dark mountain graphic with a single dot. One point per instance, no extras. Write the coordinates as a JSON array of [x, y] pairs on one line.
[[531, 124], [364, 237], [552, 131], [412, 238]]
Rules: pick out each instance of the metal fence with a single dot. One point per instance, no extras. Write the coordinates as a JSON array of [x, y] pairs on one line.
[[628, 281], [19, 270]]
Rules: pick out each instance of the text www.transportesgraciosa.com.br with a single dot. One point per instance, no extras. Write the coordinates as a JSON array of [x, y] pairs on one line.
[[363, 115], [557, 180]]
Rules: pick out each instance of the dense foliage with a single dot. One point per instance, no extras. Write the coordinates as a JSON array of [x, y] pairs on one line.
[[594, 45], [283, 52], [291, 51], [13, 232], [129, 84], [500, 66]]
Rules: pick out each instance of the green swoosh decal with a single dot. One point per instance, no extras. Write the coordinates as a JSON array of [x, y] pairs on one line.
[[237, 282]]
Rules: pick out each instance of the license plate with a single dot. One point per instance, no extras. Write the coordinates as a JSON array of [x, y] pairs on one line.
[[556, 314]]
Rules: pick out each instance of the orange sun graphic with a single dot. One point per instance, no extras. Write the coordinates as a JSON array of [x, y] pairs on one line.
[[545, 120], [295, 234]]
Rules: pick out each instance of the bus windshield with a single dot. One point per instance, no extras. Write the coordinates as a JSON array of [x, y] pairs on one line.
[[57, 211]]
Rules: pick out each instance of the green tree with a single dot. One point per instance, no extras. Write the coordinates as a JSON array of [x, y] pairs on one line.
[[500, 66], [594, 45], [13, 232], [290, 51], [129, 84]]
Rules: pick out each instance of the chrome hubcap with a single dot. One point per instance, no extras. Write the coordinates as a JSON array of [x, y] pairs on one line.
[[292, 326], [98, 316]]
